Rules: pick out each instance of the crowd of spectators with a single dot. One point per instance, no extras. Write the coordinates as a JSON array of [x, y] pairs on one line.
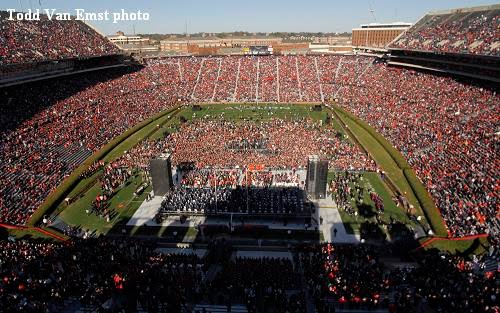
[[255, 200], [288, 79], [268, 79], [113, 177], [211, 178], [355, 277], [346, 189], [111, 275], [446, 130], [99, 273], [246, 82], [263, 284], [309, 79], [378, 201], [232, 178], [26, 41], [205, 87], [286, 179], [344, 273], [470, 32], [225, 90], [257, 143], [446, 283], [87, 110], [261, 79], [258, 179], [117, 275], [275, 143], [328, 69]]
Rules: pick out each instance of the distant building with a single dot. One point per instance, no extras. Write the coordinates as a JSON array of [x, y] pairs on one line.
[[133, 43], [332, 40], [120, 38], [199, 45], [244, 45], [175, 45], [328, 48], [252, 41], [377, 35], [133, 48]]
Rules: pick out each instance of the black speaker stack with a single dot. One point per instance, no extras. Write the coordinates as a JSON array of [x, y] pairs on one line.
[[161, 174], [317, 174]]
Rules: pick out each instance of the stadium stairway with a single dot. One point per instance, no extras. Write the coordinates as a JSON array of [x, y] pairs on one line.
[[491, 264], [73, 155]]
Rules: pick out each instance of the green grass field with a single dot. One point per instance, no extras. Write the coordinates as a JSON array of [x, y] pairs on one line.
[[121, 205], [124, 204], [28, 234], [254, 112], [371, 181], [382, 157], [463, 247], [33, 233]]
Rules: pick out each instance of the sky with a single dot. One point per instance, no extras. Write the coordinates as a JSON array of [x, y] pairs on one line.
[[211, 16]]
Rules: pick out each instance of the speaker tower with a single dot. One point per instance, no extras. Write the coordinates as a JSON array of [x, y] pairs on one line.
[[161, 173], [317, 174]]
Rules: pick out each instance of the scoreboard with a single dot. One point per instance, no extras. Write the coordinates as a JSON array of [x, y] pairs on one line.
[[259, 50]]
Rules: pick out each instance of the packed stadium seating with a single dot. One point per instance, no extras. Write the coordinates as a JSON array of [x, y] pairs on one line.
[[468, 31], [272, 279], [128, 274], [104, 273], [444, 127], [446, 130], [355, 278], [29, 41], [35, 139], [212, 143], [91, 271]]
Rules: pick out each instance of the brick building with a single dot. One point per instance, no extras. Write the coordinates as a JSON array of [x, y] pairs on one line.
[[377, 35]]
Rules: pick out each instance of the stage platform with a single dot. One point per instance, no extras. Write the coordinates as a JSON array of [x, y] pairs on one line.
[[325, 209]]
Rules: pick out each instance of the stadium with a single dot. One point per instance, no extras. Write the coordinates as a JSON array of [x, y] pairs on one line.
[[250, 181]]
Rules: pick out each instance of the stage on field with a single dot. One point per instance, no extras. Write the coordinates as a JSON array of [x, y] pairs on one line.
[[326, 219]]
